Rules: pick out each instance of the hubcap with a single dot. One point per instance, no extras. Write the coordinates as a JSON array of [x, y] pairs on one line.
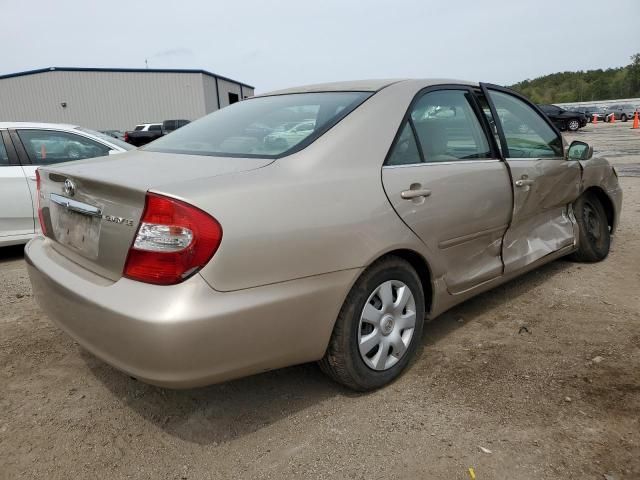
[[573, 125], [387, 323]]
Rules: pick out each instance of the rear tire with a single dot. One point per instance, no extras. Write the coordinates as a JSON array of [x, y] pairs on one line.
[[594, 237], [624, 117], [573, 125], [348, 359]]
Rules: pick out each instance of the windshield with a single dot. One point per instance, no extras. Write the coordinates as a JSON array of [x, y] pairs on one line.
[[267, 127], [107, 138]]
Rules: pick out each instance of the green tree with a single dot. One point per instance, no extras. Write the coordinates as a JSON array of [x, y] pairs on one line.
[[564, 87]]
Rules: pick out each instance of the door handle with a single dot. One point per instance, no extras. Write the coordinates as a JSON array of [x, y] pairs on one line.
[[32, 177], [524, 182], [410, 194]]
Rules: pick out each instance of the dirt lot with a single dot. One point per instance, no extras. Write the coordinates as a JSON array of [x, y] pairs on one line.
[[557, 400]]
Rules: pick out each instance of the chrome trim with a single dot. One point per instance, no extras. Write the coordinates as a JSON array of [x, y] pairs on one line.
[[454, 162], [452, 242], [75, 206]]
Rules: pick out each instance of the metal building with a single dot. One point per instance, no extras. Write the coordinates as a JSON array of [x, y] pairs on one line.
[[114, 98]]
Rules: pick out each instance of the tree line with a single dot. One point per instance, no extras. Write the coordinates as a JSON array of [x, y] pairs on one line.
[[584, 86]]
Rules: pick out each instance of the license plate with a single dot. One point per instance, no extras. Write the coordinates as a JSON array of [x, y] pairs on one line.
[[76, 230]]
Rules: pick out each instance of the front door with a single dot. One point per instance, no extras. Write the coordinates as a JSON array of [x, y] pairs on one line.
[[544, 182], [449, 186]]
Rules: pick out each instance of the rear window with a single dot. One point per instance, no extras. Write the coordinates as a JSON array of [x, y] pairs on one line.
[[138, 128], [265, 127]]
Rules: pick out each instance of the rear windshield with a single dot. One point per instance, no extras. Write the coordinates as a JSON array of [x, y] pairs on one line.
[[265, 127]]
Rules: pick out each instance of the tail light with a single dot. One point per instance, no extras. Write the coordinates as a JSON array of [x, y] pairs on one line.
[[39, 205], [126, 137], [174, 241]]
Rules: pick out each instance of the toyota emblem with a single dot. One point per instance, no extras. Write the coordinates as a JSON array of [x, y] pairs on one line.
[[69, 188]]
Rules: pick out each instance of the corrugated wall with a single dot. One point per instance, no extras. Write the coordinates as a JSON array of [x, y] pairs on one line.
[[210, 93], [103, 100]]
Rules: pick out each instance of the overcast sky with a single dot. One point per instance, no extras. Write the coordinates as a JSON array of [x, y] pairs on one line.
[[279, 43]]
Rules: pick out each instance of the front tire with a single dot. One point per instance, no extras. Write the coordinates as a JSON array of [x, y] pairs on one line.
[[573, 125], [379, 327], [624, 117], [594, 236]]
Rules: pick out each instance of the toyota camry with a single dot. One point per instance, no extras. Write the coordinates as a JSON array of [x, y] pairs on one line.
[[215, 253]]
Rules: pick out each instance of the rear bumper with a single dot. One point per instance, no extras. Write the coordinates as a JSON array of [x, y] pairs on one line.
[[187, 335]]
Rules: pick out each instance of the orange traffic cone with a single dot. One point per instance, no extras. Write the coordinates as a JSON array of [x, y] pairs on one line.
[[636, 121], [595, 118], [613, 118]]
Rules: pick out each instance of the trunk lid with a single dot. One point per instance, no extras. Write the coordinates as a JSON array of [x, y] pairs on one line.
[[92, 208]]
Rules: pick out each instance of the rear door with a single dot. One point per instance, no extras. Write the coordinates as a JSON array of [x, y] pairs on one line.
[[448, 185], [544, 182], [16, 209]]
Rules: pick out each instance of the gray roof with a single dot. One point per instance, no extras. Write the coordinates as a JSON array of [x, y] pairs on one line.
[[372, 85], [123, 70]]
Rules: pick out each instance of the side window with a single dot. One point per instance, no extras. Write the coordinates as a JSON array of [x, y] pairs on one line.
[[4, 158], [527, 134], [46, 147], [447, 127], [155, 128], [405, 150]]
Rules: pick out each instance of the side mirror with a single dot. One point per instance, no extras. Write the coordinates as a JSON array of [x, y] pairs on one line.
[[580, 151]]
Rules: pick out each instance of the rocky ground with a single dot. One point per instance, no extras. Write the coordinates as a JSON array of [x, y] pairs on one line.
[[538, 379]]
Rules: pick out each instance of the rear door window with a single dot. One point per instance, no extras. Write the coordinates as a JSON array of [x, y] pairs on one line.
[[46, 147], [448, 128]]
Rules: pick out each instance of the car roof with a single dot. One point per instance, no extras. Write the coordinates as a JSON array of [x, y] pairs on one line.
[[371, 85], [56, 126]]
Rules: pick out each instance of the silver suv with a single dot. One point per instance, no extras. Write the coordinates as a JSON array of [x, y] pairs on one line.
[[622, 111]]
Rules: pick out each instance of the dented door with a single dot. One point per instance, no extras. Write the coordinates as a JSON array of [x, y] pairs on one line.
[[544, 183]]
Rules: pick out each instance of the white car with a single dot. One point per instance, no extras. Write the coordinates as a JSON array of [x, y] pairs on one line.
[[26, 146]]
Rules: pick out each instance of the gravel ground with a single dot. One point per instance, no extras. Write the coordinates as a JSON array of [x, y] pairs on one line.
[[543, 373]]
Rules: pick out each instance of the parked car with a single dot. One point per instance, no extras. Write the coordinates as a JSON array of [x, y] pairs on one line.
[[24, 147], [114, 133], [589, 111], [622, 111], [199, 263], [143, 134], [564, 119], [148, 132]]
